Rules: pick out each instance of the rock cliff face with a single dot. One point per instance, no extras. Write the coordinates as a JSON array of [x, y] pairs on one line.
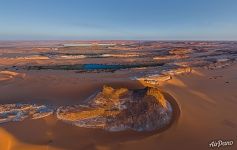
[[121, 109]]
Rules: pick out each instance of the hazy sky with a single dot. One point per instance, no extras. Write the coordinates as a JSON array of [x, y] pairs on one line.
[[118, 19]]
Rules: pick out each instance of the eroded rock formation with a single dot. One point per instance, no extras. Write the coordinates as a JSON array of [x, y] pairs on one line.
[[110, 109], [19, 112], [121, 109], [8, 75], [156, 79]]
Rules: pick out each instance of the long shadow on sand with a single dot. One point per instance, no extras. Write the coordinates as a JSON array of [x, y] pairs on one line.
[[54, 133]]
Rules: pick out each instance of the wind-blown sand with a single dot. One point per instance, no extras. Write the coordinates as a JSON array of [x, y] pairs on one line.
[[207, 101], [197, 78]]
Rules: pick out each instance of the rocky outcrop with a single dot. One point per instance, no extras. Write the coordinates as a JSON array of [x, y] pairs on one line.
[[220, 63], [180, 51], [154, 80], [178, 71], [171, 57], [8, 75], [175, 54], [19, 112], [110, 109], [121, 109]]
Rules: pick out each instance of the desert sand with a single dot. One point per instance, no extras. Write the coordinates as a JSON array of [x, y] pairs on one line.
[[207, 101], [203, 99]]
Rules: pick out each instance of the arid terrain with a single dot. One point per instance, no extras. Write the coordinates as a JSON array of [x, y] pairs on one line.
[[59, 95]]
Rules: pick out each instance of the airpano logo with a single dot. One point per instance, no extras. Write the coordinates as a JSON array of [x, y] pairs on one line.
[[220, 143]]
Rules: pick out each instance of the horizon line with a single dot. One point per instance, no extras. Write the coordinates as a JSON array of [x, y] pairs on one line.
[[195, 40]]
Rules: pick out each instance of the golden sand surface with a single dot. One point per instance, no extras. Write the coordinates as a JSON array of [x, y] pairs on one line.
[[204, 94], [207, 101]]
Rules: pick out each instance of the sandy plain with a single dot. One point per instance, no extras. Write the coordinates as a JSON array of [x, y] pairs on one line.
[[206, 101]]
